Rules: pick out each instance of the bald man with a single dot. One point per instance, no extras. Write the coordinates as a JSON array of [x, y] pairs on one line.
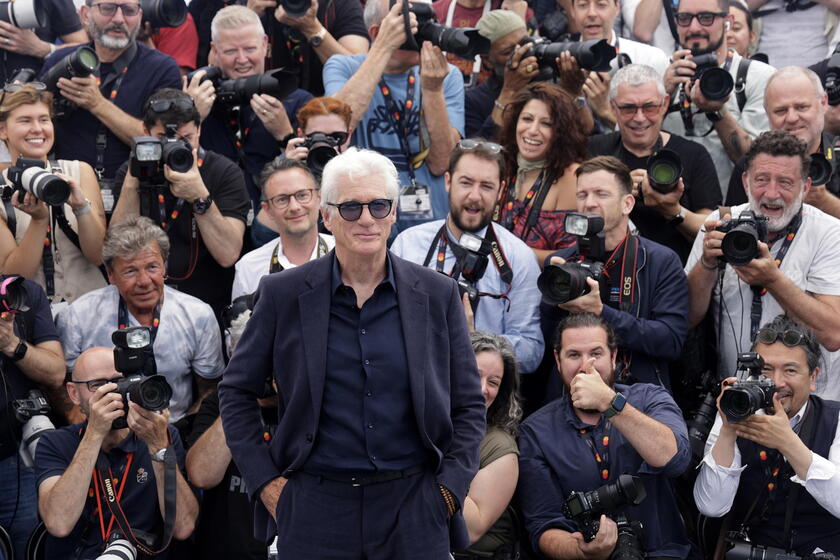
[[68, 495]]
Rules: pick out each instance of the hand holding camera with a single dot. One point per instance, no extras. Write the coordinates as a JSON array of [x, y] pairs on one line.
[[8, 339], [680, 72], [307, 22], [273, 115], [30, 204], [571, 76], [151, 427], [602, 546], [520, 69], [260, 6], [391, 35], [202, 91], [433, 68], [106, 406], [667, 204], [188, 184], [83, 91], [762, 270], [22, 41]]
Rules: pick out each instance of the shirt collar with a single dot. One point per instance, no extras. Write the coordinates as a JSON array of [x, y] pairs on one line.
[[336, 282], [482, 233], [797, 418]]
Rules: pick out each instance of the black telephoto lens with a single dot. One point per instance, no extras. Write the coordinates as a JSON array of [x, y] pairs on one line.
[[820, 170], [164, 13], [81, 62], [177, 155], [212, 73], [277, 83]]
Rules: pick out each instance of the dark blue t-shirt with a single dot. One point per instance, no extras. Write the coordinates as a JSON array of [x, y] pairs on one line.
[[75, 134]]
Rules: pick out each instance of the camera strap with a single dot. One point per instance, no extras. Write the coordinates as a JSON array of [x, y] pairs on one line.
[[450, 14], [533, 201], [106, 484], [758, 291], [8, 208], [122, 318], [275, 265], [398, 119], [116, 77], [106, 533], [602, 456], [628, 253]]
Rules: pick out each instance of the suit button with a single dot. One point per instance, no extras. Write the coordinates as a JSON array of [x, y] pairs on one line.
[[309, 438]]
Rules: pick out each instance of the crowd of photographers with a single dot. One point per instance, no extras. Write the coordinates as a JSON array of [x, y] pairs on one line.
[[638, 201]]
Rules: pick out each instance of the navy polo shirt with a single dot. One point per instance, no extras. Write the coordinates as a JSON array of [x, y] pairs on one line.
[[149, 71], [139, 499], [367, 417], [259, 146], [555, 460]]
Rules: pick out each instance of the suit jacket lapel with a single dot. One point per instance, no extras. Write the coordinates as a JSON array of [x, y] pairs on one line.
[[314, 309], [414, 316]]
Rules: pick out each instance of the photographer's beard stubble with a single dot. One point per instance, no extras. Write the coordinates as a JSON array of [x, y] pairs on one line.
[[100, 35]]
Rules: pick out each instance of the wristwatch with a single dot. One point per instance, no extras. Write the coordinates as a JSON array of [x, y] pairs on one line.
[[201, 205], [678, 219], [616, 406], [316, 40], [714, 116], [20, 351], [160, 455]]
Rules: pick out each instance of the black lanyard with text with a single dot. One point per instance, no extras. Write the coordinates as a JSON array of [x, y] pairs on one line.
[[685, 102], [759, 291], [116, 76], [602, 456], [275, 265], [398, 118], [122, 318], [628, 252]]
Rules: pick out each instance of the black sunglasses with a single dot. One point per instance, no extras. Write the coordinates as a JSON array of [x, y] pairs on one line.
[[352, 210], [163, 105], [789, 337]]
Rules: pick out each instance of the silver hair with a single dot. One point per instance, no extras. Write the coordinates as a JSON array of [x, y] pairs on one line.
[[635, 75], [789, 72], [375, 12], [234, 17], [356, 164], [130, 236], [506, 411]]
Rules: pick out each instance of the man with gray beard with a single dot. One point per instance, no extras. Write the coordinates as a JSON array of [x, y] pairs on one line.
[[102, 110], [794, 270]]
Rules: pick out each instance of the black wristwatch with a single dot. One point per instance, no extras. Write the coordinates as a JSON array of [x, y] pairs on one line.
[[20, 351], [201, 205], [714, 116], [678, 219]]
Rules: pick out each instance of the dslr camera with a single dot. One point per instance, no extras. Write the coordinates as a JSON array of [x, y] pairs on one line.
[[742, 234], [134, 358], [594, 54], [585, 508], [565, 282], [739, 547], [28, 175], [24, 14], [32, 413], [230, 93], [13, 295], [472, 256], [322, 148], [751, 393], [149, 154], [118, 548], [629, 544], [164, 13], [715, 83], [465, 42]]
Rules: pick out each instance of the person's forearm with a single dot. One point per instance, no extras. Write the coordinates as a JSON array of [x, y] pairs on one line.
[[558, 544], [330, 46], [209, 457], [798, 455], [221, 235], [62, 506], [646, 19], [827, 202], [652, 440], [442, 137], [735, 139], [701, 284], [123, 125], [541, 255], [823, 320], [505, 97], [359, 89], [44, 365], [26, 257], [128, 204], [723, 450], [186, 506], [92, 235], [692, 222]]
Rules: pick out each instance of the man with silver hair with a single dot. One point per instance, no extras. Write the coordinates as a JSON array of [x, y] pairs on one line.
[[104, 108], [186, 338], [382, 412], [796, 102], [669, 214], [793, 272]]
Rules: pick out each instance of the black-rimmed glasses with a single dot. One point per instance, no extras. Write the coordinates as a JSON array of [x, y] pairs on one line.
[[703, 18], [108, 9], [95, 384], [352, 210], [789, 337], [281, 201]]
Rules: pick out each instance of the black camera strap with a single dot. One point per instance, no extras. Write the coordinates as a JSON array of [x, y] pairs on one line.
[[104, 485], [687, 114], [534, 199], [758, 291], [120, 68], [400, 125], [122, 319], [628, 253], [275, 265]]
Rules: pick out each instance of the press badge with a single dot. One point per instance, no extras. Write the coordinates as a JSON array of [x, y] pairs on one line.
[[415, 199]]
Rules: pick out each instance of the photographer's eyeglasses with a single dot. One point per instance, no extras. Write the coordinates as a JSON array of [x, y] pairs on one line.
[[95, 384], [788, 337], [703, 18], [281, 201], [12, 88], [163, 105], [469, 144], [648, 109], [108, 9], [352, 210]]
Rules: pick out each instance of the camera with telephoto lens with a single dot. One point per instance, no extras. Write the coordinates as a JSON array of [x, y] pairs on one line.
[[32, 413], [465, 42], [278, 83], [134, 357], [118, 548], [715, 83], [751, 393], [13, 295], [295, 8], [149, 154], [739, 547], [585, 508], [322, 148], [80, 63], [594, 54], [472, 257], [565, 282], [664, 169], [629, 543], [28, 175], [742, 234], [820, 170], [24, 14], [703, 419], [164, 13]]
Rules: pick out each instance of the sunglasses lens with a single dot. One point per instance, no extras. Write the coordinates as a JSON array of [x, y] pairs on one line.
[[766, 336], [350, 211], [791, 338], [379, 208]]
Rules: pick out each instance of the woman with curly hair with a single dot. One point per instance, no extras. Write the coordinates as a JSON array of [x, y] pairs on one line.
[[544, 142], [489, 522]]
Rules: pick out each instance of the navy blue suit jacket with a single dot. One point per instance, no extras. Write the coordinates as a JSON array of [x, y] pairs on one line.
[[287, 335]]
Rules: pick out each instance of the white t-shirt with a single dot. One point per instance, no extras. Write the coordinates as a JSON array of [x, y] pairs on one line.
[[812, 263], [640, 53], [662, 37], [793, 38]]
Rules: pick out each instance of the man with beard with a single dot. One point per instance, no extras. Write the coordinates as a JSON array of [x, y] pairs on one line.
[[642, 292], [586, 439], [104, 108], [793, 272], [499, 296], [726, 126]]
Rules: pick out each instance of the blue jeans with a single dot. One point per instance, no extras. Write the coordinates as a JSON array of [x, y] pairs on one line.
[[18, 503]]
